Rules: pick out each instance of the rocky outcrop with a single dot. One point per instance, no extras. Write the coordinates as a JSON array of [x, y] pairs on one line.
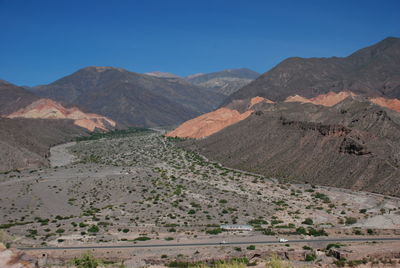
[[12, 258], [49, 109]]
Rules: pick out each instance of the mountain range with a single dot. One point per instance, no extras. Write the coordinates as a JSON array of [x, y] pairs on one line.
[[131, 98], [328, 121], [372, 71], [225, 82]]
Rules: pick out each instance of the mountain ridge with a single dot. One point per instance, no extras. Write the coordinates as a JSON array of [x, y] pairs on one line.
[[131, 98]]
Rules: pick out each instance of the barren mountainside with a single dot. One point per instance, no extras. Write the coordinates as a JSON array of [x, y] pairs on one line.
[[13, 98], [354, 144], [131, 98], [373, 71], [25, 143]]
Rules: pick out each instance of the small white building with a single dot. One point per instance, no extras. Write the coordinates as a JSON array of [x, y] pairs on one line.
[[236, 227]]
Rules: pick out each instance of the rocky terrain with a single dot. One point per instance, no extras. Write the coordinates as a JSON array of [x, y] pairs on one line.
[[130, 98], [353, 144], [225, 82], [319, 120]]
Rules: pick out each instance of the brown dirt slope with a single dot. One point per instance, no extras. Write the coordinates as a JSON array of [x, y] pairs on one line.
[[25, 143], [354, 144], [13, 98]]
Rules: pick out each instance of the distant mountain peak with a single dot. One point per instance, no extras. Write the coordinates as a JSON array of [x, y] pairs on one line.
[[226, 81], [4, 82], [101, 69], [162, 74]]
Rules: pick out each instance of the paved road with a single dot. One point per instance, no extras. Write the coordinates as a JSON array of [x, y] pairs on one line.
[[382, 239]]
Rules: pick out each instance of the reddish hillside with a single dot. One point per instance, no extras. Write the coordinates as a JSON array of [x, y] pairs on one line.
[[213, 122], [49, 109], [393, 104], [210, 123]]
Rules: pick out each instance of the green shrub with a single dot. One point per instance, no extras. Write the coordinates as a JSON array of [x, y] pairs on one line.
[[86, 261], [214, 231], [350, 220], [308, 221], [142, 238], [251, 247], [310, 257], [93, 229]]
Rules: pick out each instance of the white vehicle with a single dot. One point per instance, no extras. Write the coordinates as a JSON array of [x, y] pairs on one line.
[[222, 242], [283, 240]]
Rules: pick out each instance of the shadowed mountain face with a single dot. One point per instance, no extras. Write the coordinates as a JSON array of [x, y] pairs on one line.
[[225, 82], [373, 71], [131, 98], [25, 143], [13, 98], [354, 144]]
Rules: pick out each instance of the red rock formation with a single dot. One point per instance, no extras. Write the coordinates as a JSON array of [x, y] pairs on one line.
[[393, 104], [49, 109], [210, 123]]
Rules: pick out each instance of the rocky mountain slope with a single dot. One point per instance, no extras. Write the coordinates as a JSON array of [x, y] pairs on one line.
[[225, 82], [373, 71], [49, 109], [13, 98], [327, 121], [354, 144], [25, 143], [238, 110], [131, 98]]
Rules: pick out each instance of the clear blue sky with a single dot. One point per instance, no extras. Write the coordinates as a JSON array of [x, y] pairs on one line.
[[43, 40]]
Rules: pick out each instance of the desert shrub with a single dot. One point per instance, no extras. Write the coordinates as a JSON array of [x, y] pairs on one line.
[[214, 231], [251, 247], [86, 261], [350, 220], [308, 221], [310, 257], [322, 196], [268, 231], [257, 222], [93, 229], [142, 238], [276, 262]]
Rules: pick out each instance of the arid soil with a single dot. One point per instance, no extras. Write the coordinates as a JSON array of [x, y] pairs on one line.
[[143, 189]]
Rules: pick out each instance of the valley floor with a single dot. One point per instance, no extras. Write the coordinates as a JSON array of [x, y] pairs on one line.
[[142, 188]]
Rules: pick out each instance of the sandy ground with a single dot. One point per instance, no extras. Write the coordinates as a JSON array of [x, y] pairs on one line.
[[60, 156]]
